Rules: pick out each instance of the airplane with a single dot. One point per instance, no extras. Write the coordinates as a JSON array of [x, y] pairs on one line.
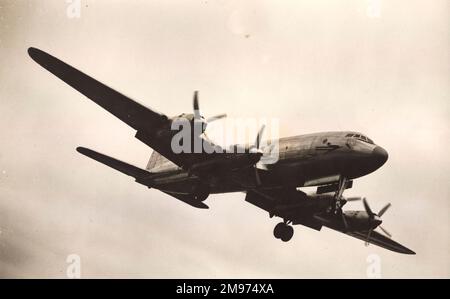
[[329, 161]]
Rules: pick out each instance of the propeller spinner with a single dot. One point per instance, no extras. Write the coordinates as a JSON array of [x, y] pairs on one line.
[[374, 219]]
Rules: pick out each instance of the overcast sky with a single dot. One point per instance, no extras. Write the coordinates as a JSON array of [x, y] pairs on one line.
[[315, 65]]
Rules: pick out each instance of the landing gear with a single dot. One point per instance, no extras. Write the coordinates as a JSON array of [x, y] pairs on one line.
[[283, 231], [337, 202]]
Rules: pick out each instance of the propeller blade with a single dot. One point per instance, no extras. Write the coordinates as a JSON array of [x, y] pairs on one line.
[[354, 198], [196, 106], [367, 207], [385, 232], [368, 237], [383, 210], [344, 220], [258, 137], [258, 178], [216, 117]]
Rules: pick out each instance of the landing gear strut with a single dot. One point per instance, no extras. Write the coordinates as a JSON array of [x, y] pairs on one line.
[[283, 231], [339, 201], [337, 204]]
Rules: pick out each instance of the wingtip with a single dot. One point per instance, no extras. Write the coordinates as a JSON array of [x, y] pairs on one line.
[[33, 52], [39, 56], [82, 150], [406, 250], [410, 252]]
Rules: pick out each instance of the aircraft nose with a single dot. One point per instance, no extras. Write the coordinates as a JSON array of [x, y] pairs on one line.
[[380, 154]]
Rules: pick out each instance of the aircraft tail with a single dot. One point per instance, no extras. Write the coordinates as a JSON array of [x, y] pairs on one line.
[[156, 159]]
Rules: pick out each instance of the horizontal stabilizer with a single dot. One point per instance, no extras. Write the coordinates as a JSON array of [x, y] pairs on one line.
[[137, 173], [123, 167]]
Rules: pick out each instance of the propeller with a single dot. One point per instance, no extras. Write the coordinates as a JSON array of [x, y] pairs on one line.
[[373, 216], [216, 117], [258, 137], [353, 198], [196, 106], [385, 231], [384, 209], [368, 209], [344, 220], [346, 199], [340, 200], [199, 117], [255, 149]]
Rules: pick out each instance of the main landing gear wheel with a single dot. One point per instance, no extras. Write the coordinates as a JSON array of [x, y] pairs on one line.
[[283, 231]]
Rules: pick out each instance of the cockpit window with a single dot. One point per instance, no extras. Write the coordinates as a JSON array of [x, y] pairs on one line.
[[360, 137]]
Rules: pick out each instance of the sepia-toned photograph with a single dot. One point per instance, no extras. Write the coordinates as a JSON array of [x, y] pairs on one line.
[[224, 139]]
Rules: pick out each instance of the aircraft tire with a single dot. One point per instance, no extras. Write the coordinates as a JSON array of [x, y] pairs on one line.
[[288, 232], [278, 230]]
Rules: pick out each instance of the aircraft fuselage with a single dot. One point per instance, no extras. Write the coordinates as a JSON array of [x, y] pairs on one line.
[[304, 160]]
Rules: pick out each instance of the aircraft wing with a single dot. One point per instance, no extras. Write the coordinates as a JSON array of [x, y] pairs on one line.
[[124, 108], [144, 120], [288, 203], [153, 128], [291, 204], [382, 241]]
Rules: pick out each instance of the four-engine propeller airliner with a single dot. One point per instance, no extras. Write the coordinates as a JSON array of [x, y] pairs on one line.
[[329, 160]]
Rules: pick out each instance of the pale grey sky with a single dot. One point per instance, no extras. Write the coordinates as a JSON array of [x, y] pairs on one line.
[[316, 65]]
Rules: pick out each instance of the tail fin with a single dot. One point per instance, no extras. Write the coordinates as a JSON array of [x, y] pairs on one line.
[[156, 159]]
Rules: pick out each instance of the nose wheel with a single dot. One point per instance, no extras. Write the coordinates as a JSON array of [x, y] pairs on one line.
[[283, 231]]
